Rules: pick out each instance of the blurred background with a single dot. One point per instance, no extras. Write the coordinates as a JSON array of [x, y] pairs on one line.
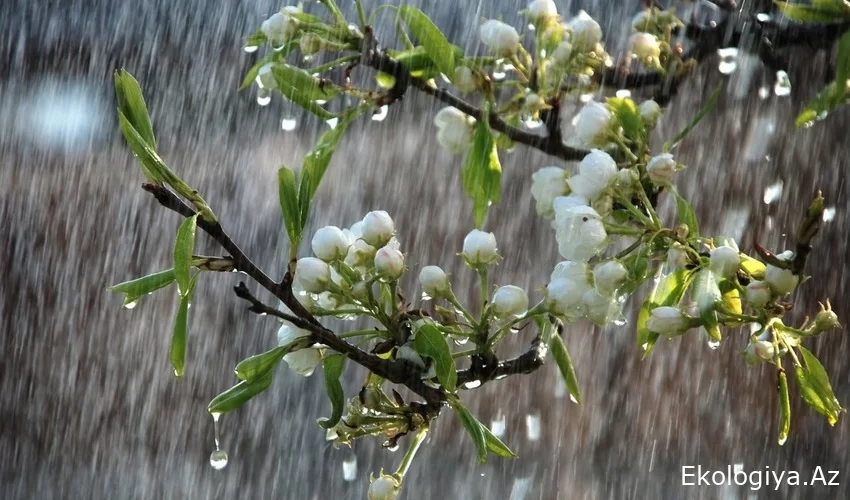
[[89, 407]]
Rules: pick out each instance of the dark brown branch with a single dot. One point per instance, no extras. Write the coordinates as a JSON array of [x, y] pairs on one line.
[[391, 370], [525, 363]]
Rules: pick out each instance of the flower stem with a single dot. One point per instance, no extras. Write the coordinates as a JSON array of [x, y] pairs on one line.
[[411, 453]]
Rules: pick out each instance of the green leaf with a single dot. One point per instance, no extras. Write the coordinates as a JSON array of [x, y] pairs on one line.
[[482, 171], [304, 89], [316, 162], [258, 364], [177, 352], [439, 49], [834, 94], [816, 389], [431, 343], [184, 247], [821, 11], [753, 267], [687, 216], [241, 393], [276, 56], [255, 39], [473, 427], [131, 103], [784, 408], [333, 366], [638, 265], [565, 365], [495, 445], [670, 145], [133, 290], [289, 207], [628, 116]]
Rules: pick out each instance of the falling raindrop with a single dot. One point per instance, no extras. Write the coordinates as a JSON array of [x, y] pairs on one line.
[[251, 49], [782, 87], [533, 124], [263, 99], [728, 60], [532, 426], [472, 384], [288, 124], [520, 488], [131, 305], [828, 214], [218, 459], [764, 92], [380, 115], [773, 192], [349, 468], [461, 340], [531, 27], [624, 93], [497, 425]]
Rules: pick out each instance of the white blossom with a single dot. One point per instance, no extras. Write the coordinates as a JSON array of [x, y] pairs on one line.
[[330, 243], [677, 257], [564, 297], [454, 129], [725, 261], [464, 79], [576, 272], [540, 10], [312, 274], [646, 47], [593, 124], [608, 276], [667, 321], [500, 38], [650, 112], [586, 32], [302, 361], [378, 228], [580, 233], [510, 300], [781, 281], [562, 53], [281, 25], [599, 308], [661, 168], [757, 293], [360, 254], [479, 248], [596, 170], [547, 184]]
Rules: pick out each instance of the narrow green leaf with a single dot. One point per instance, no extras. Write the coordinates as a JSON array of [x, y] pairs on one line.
[[819, 12], [496, 445], [306, 85], [628, 116], [177, 352], [431, 343], [333, 366], [784, 408], [184, 247], [288, 195], [473, 427], [255, 39], [131, 103], [816, 389], [687, 216], [670, 145], [241, 393], [565, 365], [482, 171], [258, 364], [139, 287], [316, 162], [426, 32]]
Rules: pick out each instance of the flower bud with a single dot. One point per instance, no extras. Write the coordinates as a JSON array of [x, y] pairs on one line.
[[454, 129], [725, 261], [599, 308], [479, 248], [761, 349], [642, 21], [564, 297], [540, 10], [650, 112], [464, 79], [593, 124], [377, 228], [782, 281], [757, 294], [499, 37], [826, 319], [312, 274], [585, 31], [311, 44], [646, 47], [547, 184], [667, 321], [384, 488], [389, 263], [360, 254], [608, 276], [434, 281], [562, 53], [510, 301], [706, 293], [330, 243], [576, 272], [534, 103], [280, 26], [661, 169]]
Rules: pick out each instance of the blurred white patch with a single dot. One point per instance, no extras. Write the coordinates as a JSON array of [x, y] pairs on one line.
[[54, 114], [735, 221], [782, 87], [532, 426], [728, 60], [520, 488], [624, 93], [497, 425], [828, 214], [759, 137], [773, 192]]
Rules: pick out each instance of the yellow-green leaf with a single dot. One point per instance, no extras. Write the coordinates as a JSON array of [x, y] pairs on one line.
[[139, 287], [565, 365], [184, 247], [241, 393], [258, 364], [496, 445], [289, 207], [784, 408], [482, 171], [438, 47], [473, 427], [177, 352], [430, 342], [131, 103], [816, 389], [333, 367]]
